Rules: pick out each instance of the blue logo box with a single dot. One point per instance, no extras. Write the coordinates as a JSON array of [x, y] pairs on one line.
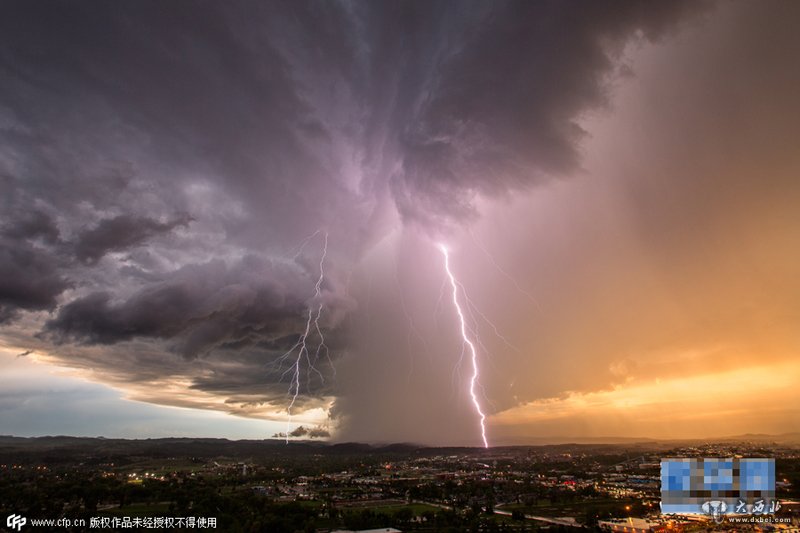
[[744, 485]]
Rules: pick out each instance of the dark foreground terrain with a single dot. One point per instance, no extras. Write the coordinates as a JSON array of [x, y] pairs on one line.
[[180, 484]]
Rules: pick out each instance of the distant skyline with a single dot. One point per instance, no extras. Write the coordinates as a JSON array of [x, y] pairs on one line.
[[223, 219]]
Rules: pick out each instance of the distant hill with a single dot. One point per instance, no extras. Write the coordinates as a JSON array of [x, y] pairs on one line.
[[99, 449], [60, 448], [785, 438]]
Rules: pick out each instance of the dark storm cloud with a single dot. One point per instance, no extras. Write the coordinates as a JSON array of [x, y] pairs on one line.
[[204, 305], [32, 225], [107, 104], [486, 99], [120, 233], [262, 123], [29, 279], [31, 276]]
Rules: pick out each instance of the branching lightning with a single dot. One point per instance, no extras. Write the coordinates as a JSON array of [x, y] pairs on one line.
[[300, 351], [473, 311], [311, 345], [466, 341]]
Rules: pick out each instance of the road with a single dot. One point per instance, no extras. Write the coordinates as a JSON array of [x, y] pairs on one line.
[[547, 519]]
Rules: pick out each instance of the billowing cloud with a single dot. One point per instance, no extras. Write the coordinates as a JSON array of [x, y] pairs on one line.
[[209, 303], [29, 279], [186, 186], [302, 431], [495, 97], [120, 233]]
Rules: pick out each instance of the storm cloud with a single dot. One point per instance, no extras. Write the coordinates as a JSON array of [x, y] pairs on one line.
[[185, 183], [120, 233], [29, 280], [30, 272]]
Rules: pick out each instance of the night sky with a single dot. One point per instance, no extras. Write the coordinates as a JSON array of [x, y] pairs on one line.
[[617, 185]]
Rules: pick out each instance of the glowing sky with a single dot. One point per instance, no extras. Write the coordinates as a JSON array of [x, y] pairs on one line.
[[618, 185]]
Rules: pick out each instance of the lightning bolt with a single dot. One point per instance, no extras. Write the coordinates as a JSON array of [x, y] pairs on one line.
[[466, 341], [300, 351]]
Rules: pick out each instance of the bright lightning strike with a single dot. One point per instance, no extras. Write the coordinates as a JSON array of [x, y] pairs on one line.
[[466, 341], [300, 350]]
